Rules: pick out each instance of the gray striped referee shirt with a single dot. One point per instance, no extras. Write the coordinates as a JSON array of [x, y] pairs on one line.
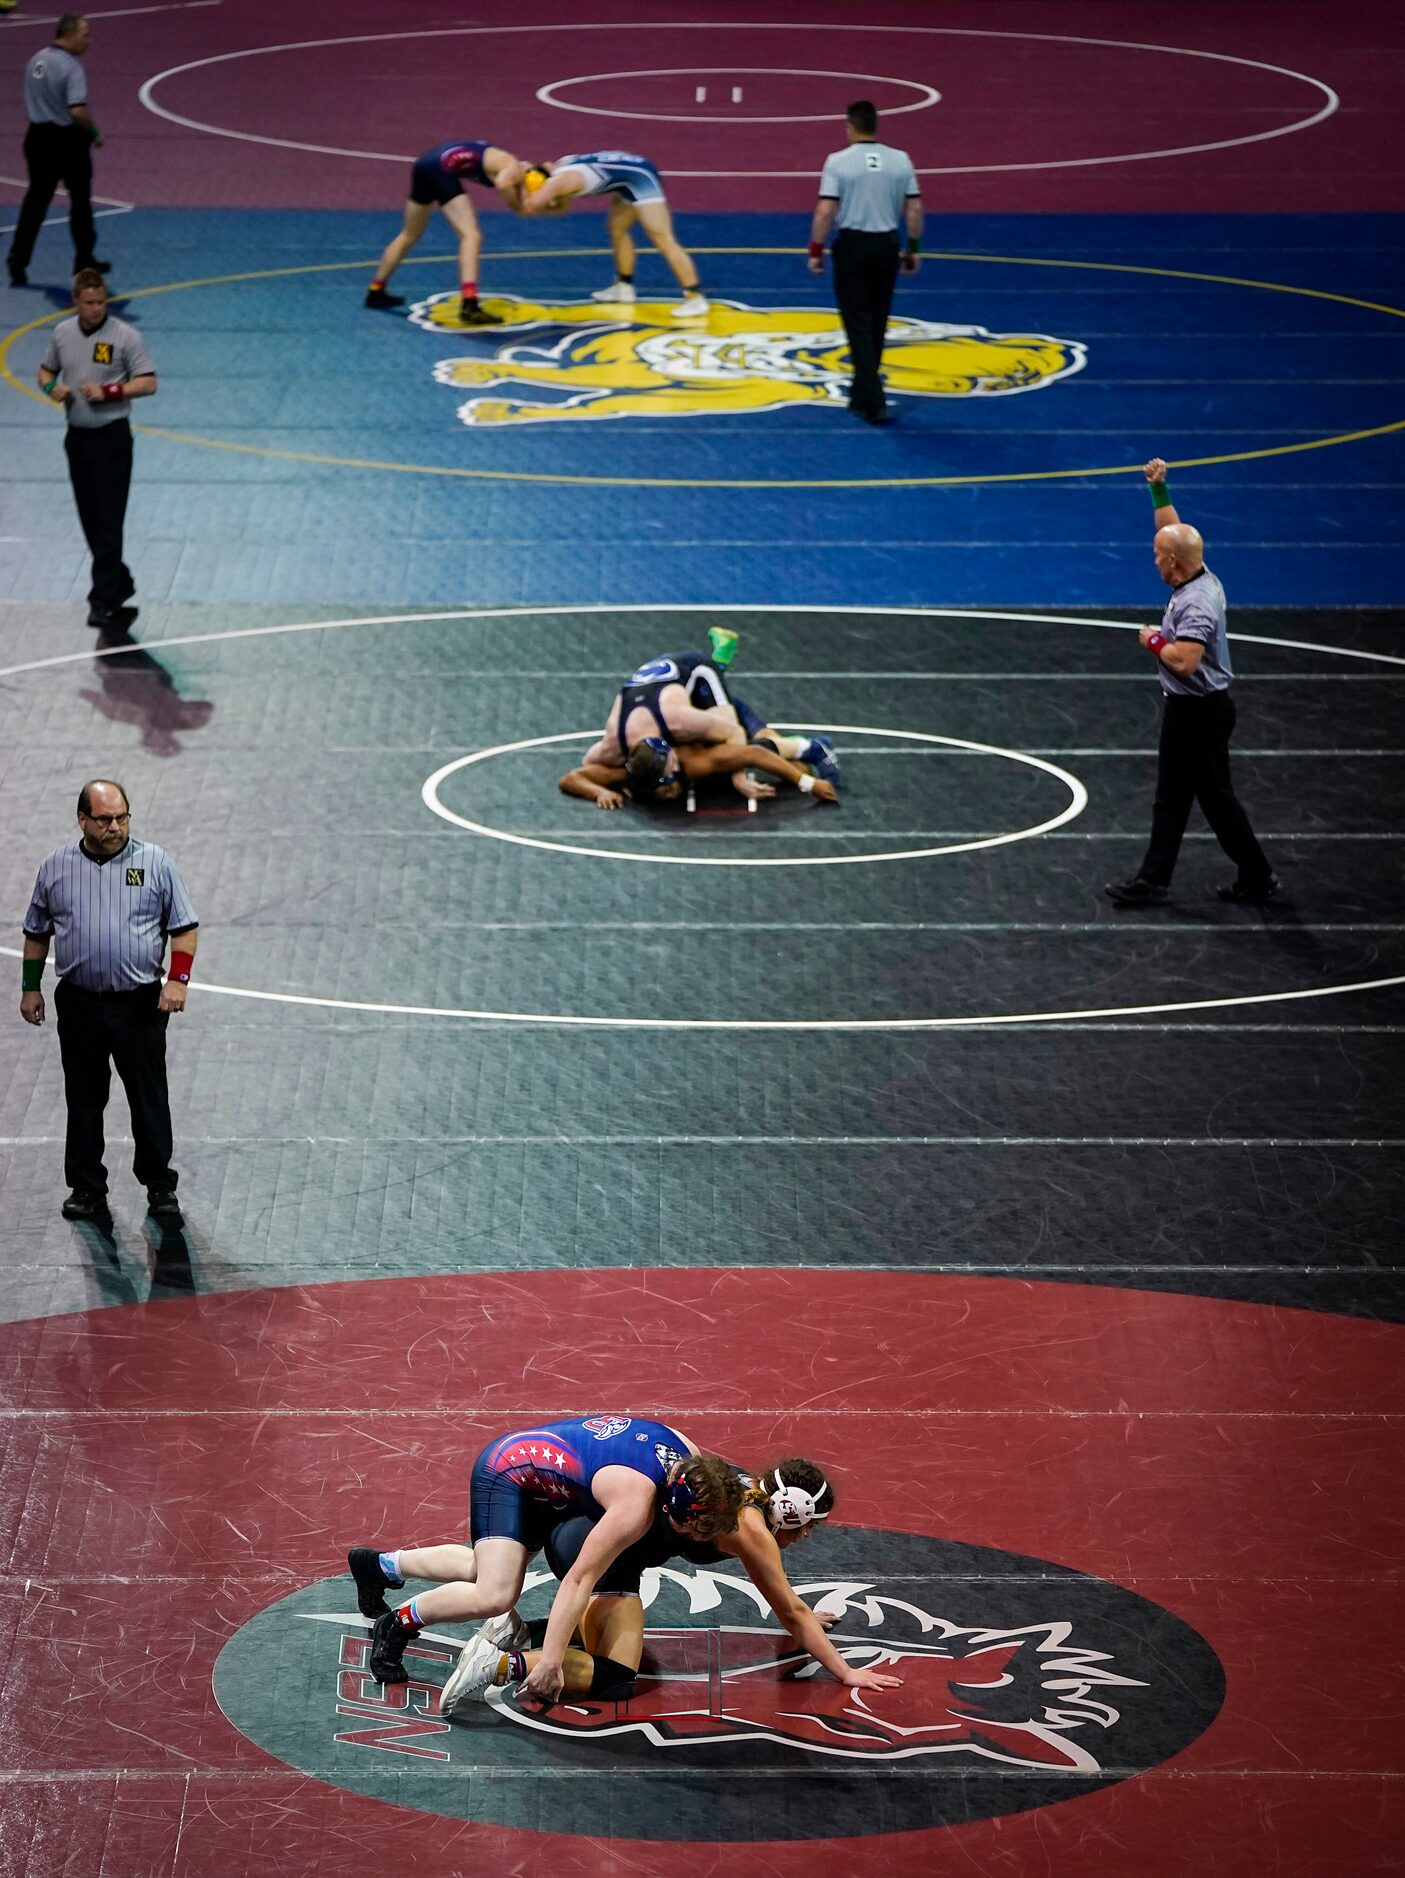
[[870, 182], [109, 918]]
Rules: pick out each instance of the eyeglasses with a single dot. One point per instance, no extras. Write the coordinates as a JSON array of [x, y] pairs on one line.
[[102, 821]]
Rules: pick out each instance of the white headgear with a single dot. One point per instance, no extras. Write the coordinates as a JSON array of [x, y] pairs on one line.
[[791, 1508]]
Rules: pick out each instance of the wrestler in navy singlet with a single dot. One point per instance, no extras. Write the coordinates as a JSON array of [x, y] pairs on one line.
[[439, 174], [700, 679], [524, 1483]]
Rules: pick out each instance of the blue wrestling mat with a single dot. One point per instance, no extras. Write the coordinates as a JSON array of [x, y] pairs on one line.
[[341, 456]]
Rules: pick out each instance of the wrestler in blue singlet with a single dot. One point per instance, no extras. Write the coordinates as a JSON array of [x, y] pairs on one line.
[[523, 1483], [699, 677], [615, 173]]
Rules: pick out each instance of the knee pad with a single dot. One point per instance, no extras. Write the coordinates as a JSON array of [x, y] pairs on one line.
[[614, 1681]]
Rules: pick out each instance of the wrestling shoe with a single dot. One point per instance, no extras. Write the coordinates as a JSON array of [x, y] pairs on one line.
[[471, 314], [691, 307], [474, 1673], [723, 643], [378, 297], [371, 1581], [1136, 892], [819, 755], [388, 1641], [618, 293], [507, 1632]]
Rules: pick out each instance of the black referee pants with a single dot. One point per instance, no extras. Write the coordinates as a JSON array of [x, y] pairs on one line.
[[865, 273], [54, 154], [1192, 765], [97, 1031], [100, 469]]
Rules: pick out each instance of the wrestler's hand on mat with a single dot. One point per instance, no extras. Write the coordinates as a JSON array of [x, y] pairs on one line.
[[825, 791], [872, 1679], [545, 1682], [753, 791], [609, 799]]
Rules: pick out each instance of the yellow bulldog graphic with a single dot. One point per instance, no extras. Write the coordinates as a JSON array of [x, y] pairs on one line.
[[589, 361]]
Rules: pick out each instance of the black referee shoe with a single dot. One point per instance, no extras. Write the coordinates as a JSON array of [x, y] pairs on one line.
[[18, 277], [1136, 892], [161, 1203], [378, 297], [1250, 890], [84, 1204]]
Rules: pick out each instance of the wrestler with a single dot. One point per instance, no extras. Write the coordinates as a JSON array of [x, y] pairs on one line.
[[636, 194], [610, 1468], [439, 178], [782, 1506]]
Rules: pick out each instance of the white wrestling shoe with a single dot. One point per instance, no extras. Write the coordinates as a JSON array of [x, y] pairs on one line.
[[618, 293], [507, 1632], [692, 307], [473, 1674]]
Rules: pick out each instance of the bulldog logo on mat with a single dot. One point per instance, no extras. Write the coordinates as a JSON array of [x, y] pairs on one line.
[[569, 361]]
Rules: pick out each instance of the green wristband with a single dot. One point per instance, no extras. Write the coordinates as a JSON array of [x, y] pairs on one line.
[[1160, 496], [914, 244], [31, 973]]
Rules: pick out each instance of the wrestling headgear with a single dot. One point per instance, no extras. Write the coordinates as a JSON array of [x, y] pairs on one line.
[[679, 1501], [789, 1509], [647, 766]]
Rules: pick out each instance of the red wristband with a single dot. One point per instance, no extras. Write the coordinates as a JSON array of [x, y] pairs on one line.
[[816, 250], [1155, 643], [113, 391], [182, 964]]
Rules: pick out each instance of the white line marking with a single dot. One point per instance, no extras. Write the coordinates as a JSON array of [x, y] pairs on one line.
[[547, 93], [644, 606], [1005, 1020], [787, 27], [1078, 801], [564, 1140]]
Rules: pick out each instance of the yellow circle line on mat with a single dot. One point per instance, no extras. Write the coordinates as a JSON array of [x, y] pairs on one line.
[[732, 482]]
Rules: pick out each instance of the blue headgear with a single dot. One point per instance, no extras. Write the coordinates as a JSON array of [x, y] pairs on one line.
[[647, 765], [679, 1501]]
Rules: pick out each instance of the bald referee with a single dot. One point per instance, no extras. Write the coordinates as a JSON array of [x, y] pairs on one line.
[[866, 190], [111, 902]]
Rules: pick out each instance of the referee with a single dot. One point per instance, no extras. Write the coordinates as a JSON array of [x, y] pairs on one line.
[[112, 902], [58, 147], [94, 365], [1191, 649], [866, 190]]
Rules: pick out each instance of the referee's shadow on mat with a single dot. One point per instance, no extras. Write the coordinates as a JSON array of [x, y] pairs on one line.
[[135, 688], [119, 1269]]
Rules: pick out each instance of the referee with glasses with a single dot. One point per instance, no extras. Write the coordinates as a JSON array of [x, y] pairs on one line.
[[866, 190], [111, 902]]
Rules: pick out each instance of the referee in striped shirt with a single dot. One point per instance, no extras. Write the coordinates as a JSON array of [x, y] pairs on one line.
[[111, 902], [866, 190]]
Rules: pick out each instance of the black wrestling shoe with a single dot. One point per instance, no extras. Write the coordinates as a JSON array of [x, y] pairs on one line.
[[388, 1641], [84, 1204], [471, 314], [1136, 892], [378, 297], [365, 1565], [1250, 890]]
